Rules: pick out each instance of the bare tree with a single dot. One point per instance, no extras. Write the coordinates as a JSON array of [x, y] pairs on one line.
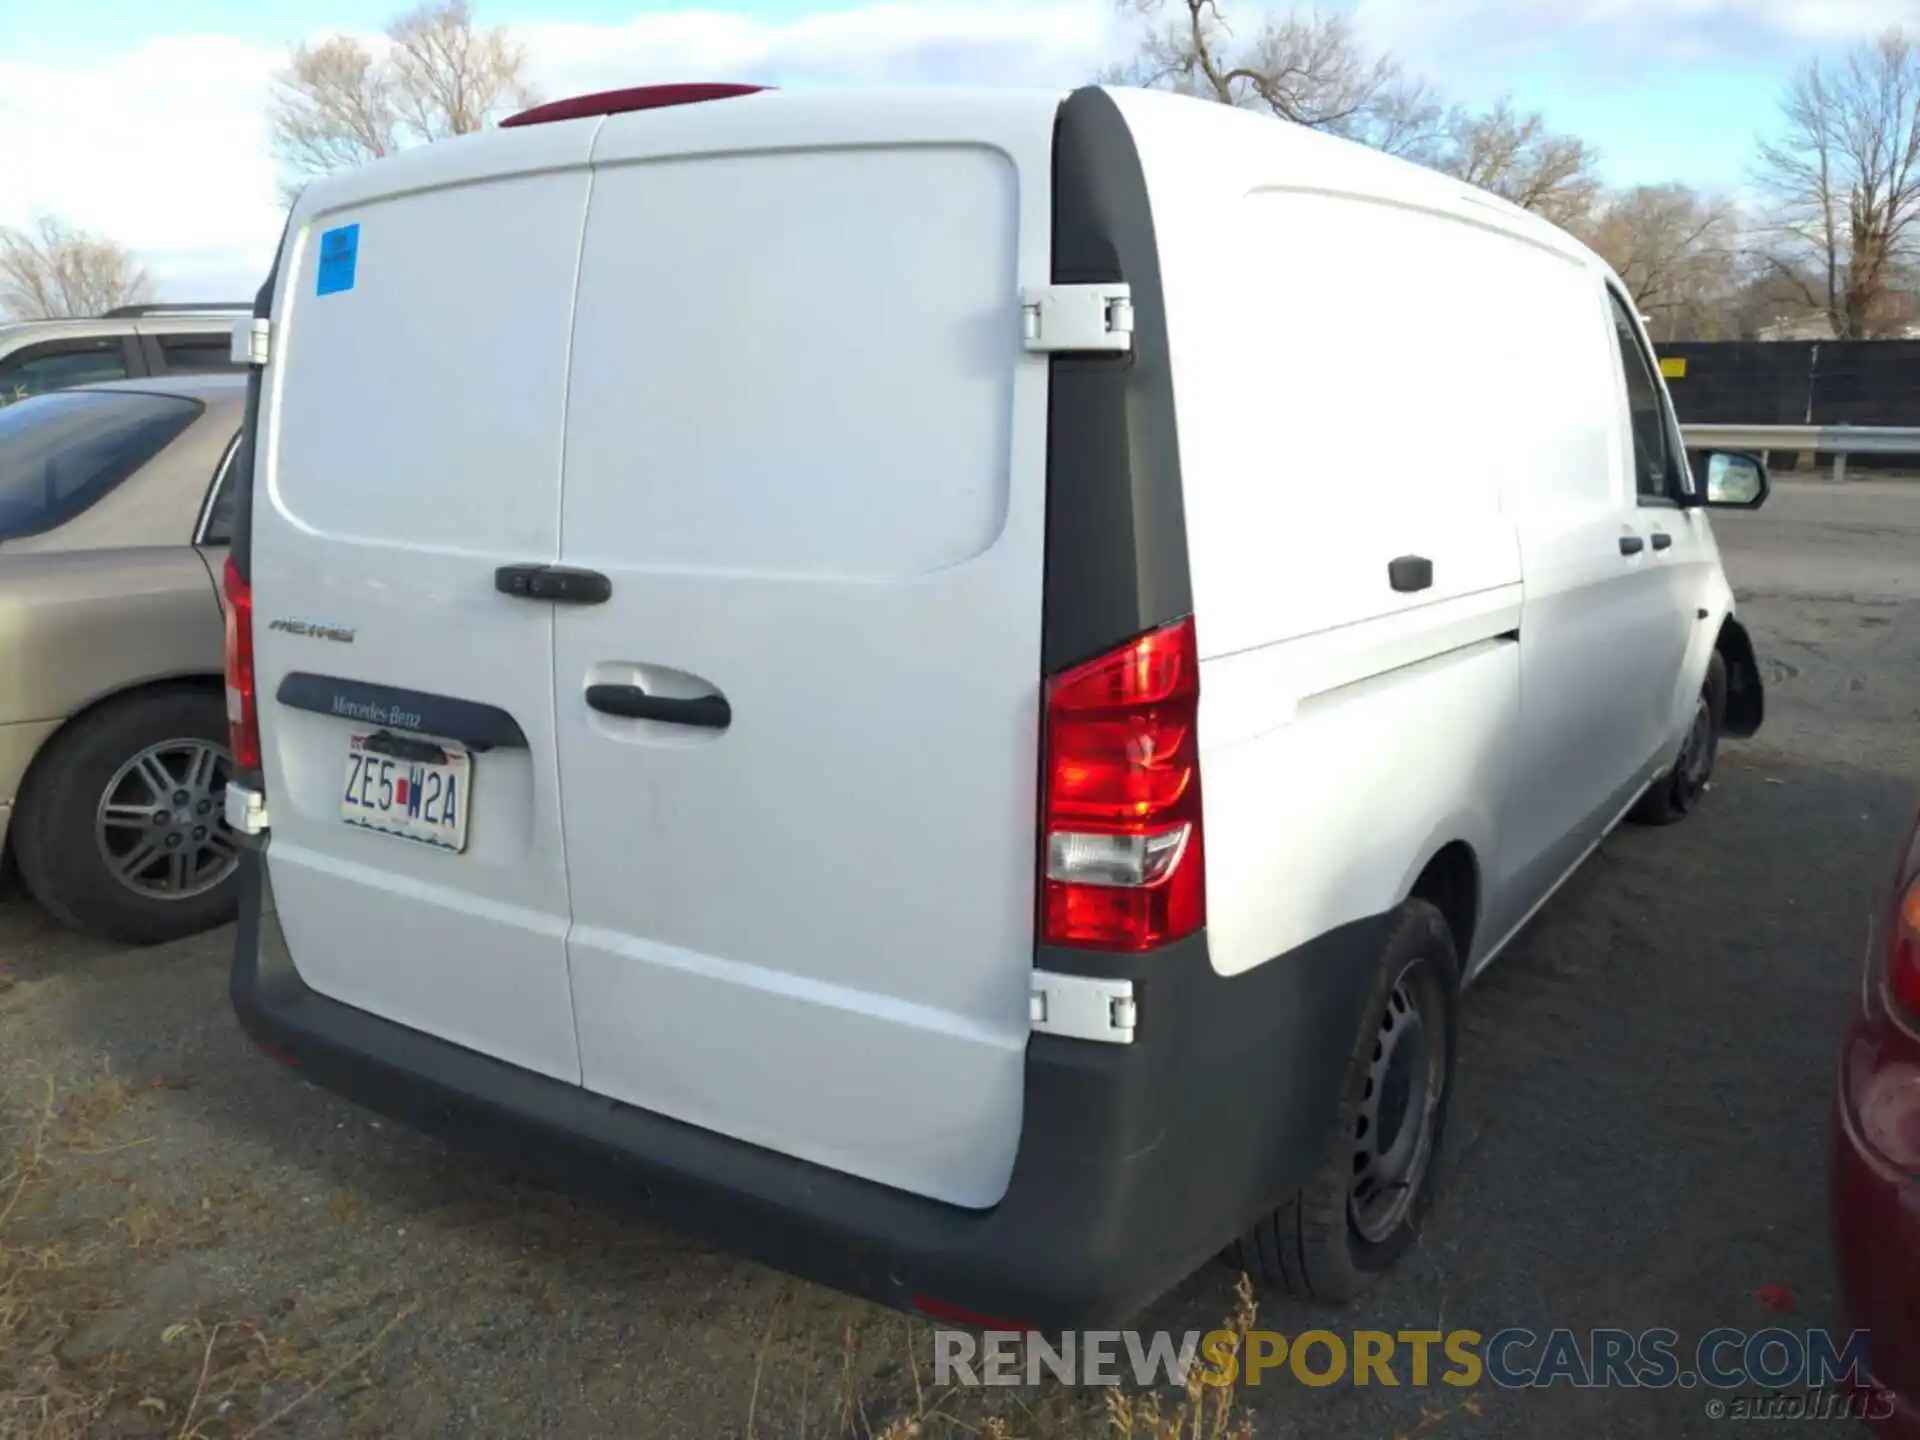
[[1678, 252], [1305, 67], [1313, 69], [1515, 156], [1843, 181], [55, 270], [449, 78], [1406, 119], [342, 102], [1771, 304], [333, 108]]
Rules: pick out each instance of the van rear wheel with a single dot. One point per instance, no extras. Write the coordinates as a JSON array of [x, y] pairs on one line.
[[122, 831], [1366, 1204]]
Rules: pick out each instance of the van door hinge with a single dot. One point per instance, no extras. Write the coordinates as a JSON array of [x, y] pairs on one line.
[[252, 342], [1083, 1008], [1058, 319], [246, 810]]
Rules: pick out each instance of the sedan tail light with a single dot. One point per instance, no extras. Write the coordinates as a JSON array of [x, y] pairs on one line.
[[1903, 950], [1121, 855]]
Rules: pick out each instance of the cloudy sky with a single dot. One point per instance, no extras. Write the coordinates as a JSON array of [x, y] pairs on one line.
[[142, 119]]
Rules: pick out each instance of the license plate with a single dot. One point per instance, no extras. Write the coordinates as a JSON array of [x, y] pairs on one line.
[[413, 799]]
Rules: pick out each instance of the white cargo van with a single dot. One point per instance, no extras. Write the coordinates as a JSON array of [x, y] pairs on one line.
[[945, 687]]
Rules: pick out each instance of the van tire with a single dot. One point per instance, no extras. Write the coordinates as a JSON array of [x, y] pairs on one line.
[[1311, 1246], [1678, 793], [56, 834]]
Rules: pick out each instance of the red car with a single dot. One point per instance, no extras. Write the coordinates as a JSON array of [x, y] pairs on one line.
[[1876, 1154]]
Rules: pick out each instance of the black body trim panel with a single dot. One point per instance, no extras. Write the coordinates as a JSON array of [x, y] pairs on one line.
[[1137, 1163], [1746, 695], [1116, 545], [477, 726], [241, 548]]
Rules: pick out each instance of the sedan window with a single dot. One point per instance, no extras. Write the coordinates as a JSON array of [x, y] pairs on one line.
[[217, 527], [61, 452]]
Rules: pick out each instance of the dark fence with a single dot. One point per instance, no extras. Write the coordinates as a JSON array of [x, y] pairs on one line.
[[1827, 382], [1867, 382], [1735, 383], [1798, 382]]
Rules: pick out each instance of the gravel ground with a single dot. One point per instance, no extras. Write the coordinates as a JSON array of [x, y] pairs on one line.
[[194, 1244]]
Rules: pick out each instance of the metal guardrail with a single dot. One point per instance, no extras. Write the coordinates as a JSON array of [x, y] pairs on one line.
[[1839, 441]]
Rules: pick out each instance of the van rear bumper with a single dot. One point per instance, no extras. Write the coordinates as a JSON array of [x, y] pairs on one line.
[[1136, 1163]]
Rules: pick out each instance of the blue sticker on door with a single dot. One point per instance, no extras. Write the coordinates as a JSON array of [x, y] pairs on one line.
[[339, 256]]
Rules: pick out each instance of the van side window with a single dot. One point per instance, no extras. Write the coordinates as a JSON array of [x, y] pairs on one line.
[[1652, 458]]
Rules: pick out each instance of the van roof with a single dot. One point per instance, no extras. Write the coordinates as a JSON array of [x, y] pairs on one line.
[[1204, 139], [761, 119], [1246, 149]]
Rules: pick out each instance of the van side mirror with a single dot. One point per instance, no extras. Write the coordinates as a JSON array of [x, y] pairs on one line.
[[1734, 480]]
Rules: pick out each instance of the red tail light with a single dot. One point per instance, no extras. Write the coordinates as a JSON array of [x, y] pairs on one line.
[[1121, 860], [243, 713], [1903, 951]]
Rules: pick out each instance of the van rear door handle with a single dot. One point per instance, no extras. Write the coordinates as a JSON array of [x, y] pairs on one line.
[[1631, 544], [1662, 540], [557, 583], [708, 712]]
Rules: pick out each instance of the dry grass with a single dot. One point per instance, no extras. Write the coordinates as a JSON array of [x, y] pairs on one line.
[[911, 1407], [74, 1235], [90, 1346]]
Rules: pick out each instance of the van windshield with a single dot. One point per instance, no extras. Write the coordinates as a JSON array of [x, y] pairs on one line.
[[61, 452]]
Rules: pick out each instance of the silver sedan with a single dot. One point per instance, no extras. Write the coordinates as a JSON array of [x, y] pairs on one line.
[[113, 758]]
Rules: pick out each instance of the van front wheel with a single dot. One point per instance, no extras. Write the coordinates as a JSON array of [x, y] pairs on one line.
[[1676, 795], [1364, 1207]]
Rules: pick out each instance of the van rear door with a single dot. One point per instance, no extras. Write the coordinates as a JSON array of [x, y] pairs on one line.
[[798, 741], [414, 442]]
